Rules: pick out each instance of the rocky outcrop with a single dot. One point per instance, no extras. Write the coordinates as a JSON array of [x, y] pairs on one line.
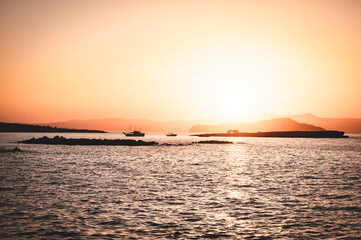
[[84, 141]]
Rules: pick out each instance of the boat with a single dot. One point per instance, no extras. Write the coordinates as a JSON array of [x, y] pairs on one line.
[[171, 135], [135, 133]]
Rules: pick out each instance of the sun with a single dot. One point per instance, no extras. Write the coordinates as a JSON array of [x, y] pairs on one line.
[[234, 83]]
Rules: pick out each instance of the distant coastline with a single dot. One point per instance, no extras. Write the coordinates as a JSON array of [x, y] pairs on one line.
[[18, 127], [286, 134], [266, 123]]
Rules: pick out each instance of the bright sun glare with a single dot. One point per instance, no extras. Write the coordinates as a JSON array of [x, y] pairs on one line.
[[238, 83]]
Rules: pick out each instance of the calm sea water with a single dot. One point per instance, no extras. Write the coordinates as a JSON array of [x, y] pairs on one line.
[[259, 188]]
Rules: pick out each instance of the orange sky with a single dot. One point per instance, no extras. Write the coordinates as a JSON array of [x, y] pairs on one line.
[[172, 59]]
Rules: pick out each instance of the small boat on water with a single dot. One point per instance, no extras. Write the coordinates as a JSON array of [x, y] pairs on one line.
[[134, 134], [171, 135]]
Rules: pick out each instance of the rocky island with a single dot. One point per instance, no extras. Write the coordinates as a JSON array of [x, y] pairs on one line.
[[86, 141], [59, 140]]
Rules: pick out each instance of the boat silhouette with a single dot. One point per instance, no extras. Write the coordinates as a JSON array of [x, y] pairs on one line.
[[135, 133], [171, 135]]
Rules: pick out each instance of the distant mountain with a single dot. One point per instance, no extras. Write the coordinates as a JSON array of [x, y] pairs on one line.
[[121, 124], [278, 124], [18, 127], [348, 125]]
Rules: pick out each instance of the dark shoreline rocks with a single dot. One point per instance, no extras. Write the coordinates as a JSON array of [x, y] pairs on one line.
[[15, 149], [84, 141], [214, 142], [59, 140]]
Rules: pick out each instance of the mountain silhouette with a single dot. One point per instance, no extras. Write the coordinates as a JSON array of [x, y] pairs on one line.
[[123, 124], [348, 125], [278, 124], [289, 123], [18, 127]]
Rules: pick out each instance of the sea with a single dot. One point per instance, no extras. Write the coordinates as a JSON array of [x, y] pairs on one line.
[[256, 188]]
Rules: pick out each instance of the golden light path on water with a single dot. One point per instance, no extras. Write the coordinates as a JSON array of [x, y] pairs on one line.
[[255, 188]]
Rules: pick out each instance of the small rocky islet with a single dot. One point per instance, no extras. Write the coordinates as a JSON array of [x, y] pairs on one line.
[[60, 140]]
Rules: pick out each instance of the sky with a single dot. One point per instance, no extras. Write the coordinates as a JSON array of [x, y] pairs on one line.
[[178, 60]]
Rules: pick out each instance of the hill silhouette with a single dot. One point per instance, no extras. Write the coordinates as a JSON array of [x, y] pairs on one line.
[[18, 127], [348, 125], [278, 124], [122, 124]]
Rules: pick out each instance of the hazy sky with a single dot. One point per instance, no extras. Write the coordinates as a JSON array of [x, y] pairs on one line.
[[174, 59]]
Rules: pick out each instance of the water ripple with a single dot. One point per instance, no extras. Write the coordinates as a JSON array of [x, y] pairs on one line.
[[265, 189]]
